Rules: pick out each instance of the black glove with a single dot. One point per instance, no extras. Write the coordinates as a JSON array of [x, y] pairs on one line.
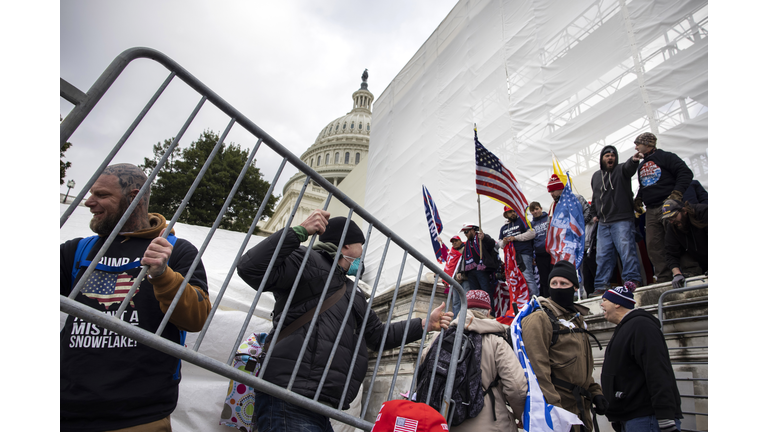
[[638, 205], [678, 281], [616, 426], [601, 404], [666, 425]]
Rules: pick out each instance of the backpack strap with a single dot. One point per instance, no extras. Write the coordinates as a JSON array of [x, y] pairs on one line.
[[488, 392], [578, 392], [556, 330]]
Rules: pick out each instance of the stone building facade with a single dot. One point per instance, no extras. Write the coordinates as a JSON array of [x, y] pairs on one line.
[[339, 147]]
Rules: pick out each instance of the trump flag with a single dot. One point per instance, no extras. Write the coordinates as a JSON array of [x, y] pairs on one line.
[[565, 235], [434, 224], [539, 416]]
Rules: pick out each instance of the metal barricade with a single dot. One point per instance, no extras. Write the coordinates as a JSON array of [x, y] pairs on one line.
[[688, 359], [84, 103]]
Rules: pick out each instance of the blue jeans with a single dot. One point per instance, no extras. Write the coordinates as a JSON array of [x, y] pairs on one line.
[[272, 414], [481, 280], [643, 424], [612, 238], [455, 301], [530, 278]]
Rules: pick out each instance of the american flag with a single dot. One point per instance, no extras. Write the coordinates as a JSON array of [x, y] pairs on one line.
[[565, 235], [495, 181], [403, 424], [108, 288]]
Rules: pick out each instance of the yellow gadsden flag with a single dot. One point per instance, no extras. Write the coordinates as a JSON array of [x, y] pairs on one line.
[[557, 170]]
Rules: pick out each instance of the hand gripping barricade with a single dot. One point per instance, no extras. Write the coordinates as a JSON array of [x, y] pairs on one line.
[[85, 103]]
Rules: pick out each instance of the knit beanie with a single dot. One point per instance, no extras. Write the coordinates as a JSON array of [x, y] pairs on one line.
[[623, 295], [554, 183], [565, 269], [334, 229], [646, 138], [608, 149], [478, 299]]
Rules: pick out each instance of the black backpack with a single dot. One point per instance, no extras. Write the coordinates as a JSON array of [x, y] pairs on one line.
[[467, 397]]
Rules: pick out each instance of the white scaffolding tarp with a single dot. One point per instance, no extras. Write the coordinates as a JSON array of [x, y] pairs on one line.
[[537, 77]]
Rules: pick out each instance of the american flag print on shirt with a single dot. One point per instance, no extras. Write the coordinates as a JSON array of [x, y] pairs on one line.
[[494, 180], [403, 424], [109, 288]]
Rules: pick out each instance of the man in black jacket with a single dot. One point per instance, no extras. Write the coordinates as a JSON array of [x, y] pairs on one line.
[[662, 176], [274, 414], [613, 210], [687, 236], [637, 376]]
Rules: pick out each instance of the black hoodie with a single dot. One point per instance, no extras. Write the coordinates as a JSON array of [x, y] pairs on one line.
[[612, 197]]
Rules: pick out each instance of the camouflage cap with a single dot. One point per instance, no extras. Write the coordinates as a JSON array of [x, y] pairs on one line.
[[670, 208], [646, 138]]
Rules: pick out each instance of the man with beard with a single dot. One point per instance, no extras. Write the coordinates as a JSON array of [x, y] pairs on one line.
[[614, 211], [109, 382], [274, 414], [662, 176], [517, 232], [637, 375], [686, 236], [480, 260], [558, 347]]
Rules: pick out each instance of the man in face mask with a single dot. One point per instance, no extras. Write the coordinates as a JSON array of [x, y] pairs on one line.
[[271, 412], [557, 344]]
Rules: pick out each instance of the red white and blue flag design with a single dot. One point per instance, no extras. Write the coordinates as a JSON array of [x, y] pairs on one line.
[[496, 181], [435, 225], [565, 235], [109, 288], [403, 424]]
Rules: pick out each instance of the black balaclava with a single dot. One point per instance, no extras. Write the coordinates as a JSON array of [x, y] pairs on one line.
[[564, 297]]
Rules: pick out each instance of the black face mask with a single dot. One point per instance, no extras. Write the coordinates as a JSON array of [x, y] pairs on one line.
[[563, 297]]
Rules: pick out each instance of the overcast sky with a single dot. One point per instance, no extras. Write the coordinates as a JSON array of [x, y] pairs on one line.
[[290, 67]]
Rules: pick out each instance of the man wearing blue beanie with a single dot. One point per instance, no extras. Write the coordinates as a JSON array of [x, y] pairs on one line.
[[637, 376]]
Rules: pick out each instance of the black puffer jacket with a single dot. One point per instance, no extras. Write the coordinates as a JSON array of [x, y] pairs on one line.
[[251, 269]]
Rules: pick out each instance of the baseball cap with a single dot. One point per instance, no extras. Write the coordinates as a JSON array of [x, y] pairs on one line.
[[670, 208], [405, 415], [468, 226]]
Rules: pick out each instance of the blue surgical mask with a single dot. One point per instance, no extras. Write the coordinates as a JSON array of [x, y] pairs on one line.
[[352, 271]]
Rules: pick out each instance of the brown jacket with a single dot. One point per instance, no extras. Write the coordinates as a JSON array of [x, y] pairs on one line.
[[497, 358], [194, 305], [569, 359]]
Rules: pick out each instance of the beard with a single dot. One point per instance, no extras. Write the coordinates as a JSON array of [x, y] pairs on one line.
[[105, 226]]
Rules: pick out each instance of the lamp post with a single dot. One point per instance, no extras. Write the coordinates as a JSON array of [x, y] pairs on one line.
[[70, 185]]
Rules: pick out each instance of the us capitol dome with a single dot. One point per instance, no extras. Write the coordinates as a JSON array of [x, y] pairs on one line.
[[338, 149]]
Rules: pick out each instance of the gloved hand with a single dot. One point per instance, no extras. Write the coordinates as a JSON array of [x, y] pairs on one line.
[[667, 425], [601, 404], [678, 281], [639, 205], [675, 195]]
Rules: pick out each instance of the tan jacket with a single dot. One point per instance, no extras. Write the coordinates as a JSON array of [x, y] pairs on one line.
[[497, 358], [569, 359]]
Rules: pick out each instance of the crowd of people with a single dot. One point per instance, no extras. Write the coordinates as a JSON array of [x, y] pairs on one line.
[[110, 383], [664, 226]]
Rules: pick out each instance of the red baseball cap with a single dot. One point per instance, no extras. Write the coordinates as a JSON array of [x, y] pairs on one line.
[[405, 415]]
